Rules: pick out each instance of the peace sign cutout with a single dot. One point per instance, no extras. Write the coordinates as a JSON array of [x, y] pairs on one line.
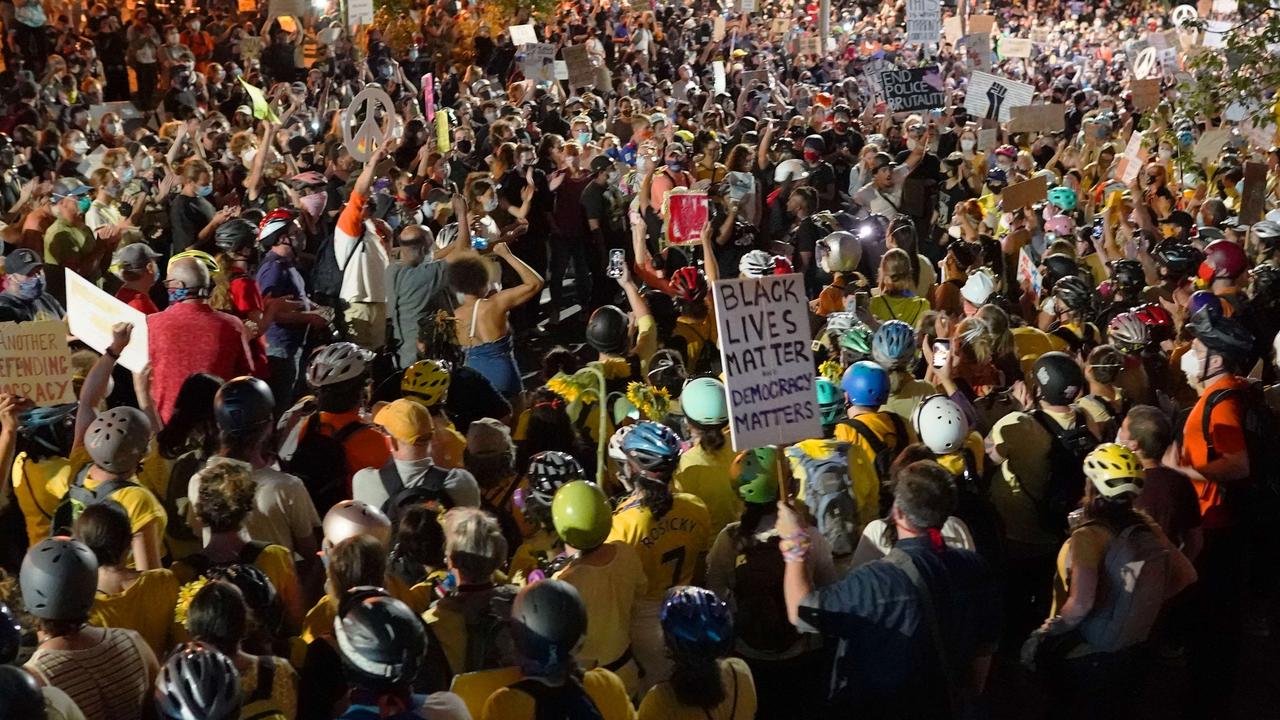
[[370, 134]]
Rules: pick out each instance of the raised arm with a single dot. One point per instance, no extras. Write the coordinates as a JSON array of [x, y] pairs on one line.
[[530, 281], [97, 380]]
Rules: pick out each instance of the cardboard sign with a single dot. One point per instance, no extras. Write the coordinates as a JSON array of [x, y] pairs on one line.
[[359, 12], [1012, 47], [1038, 118], [1146, 64], [686, 214], [250, 47], [779, 26], [717, 29], [91, 313], [913, 89], [718, 81], [247, 6], [992, 97], [1146, 93], [1028, 271], [538, 62], [978, 48], [952, 29], [765, 350], [442, 132], [287, 8], [35, 362], [1131, 162], [810, 45], [1254, 195], [1024, 194], [987, 138], [979, 24], [1210, 144], [578, 62], [523, 35], [429, 96], [924, 22], [562, 70], [362, 142]]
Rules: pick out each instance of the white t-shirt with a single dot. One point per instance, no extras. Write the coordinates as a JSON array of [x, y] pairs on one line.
[[870, 547], [282, 508]]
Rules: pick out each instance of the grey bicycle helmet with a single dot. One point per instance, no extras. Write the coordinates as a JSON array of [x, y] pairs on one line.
[[337, 363], [118, 438], [894, 344], [198, 683], [59, 578], [243, 405], [548, 619], [381, 641]]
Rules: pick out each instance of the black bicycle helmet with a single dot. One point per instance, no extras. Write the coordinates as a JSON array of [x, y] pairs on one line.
[[1059, 377], [1223, 335], [607, 330], [381, 641], [1058, 266], [259, 594], [548, 619], [1264, 285], [1177, 259], [244, 405], [1073, 293], [10, 635], [197, 681], [20, 695], [235, 235], [1128, 275]]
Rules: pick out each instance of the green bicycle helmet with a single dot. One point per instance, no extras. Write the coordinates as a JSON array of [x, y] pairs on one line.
[[703, 401], [755, 474], [1063, 197], [857, 339], [830, 401]]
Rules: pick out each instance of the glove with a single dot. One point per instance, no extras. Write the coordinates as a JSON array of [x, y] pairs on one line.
[[1031, 648]]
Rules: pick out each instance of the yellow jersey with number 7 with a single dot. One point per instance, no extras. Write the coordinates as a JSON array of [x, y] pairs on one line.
[[671, 548]]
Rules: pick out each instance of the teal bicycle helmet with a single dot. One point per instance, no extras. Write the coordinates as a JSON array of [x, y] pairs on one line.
[[830, 401], [1063, 197]]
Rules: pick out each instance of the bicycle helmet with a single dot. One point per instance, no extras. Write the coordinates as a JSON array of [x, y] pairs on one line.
[[615, 443], [1059, 377], [50, 427], [243, 406], [1223, 259], [1203, 300], [696, 622], [816, 142], [978, 288], [198, 683], [1264, 284], [275, 226], [381, 641], [548, 619], [1223, 335], [426, 381], [20, 694], [997, 177], [1058, 266], [758, 263], [581, 516], [1063, 198], [830, 400], [703, 402], [199, 256], [755, 474], [1158, 321], [337, 363], [59, 577], [839, 252], [857, 339], [355, 517], [792, 169], [941, 424], [1267, 233], [259, 593], [689, 284], [118, 439], [894, 345], [1127, 333], [1007, 151], [1176, 259], [608, 329], [10, 635], [782, 266], [1073, 293], [235, 235], [548, 472], [839, 322], [866, 384], [653, 449], [1114, 470], [1128, 274]]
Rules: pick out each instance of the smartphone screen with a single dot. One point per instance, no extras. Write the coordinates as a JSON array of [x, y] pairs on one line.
[[478, 242], [861, 300], [941, 351], [617, 257]]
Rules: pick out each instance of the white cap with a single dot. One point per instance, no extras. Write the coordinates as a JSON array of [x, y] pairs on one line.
[[978, 288]]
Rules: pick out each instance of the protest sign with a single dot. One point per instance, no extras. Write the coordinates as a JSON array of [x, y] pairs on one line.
[[717, 29], [686, 214], [987, 138], [992, 97], [359, 12], [1024, 194], [92, 161], [751, 78], [538, 62], [124, 108], [1028, 271], [718, 81], [913, 89], [261, 108], [578, 62], [1146, 64], [287, 8], [979, 24], [1254, 194], [91, 313], [523, 35], [872, 71], [250, 47], [1146, 93], [247, 6], [1012, 47], [35, 362], [924, 22], [429, 96], [442, 132], [810, 45], [1131, 162], [765, 349], [1215, 33], [747, 6], [1210, 144], [779, 26], [978, 47], [367, 106], [562, 70], [952, 29], [1182, 15], [1038, 118]]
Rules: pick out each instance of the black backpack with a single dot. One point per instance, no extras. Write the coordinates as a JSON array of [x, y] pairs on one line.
[[175, 497], [429, 492], [566, 702], [79, 497], [320, 461], [1065, 484], [248, 555], [761, 618], [884, 455], [1260, 428]]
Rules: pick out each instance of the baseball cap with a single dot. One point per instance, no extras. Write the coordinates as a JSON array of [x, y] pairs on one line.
[[600, 163], [69, 187], [488, 436], [22, 261], [406, 421], [245, 109], [135, 256]]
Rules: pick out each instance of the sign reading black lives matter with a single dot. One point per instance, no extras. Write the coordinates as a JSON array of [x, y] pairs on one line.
[[768, 362], [913, 89]]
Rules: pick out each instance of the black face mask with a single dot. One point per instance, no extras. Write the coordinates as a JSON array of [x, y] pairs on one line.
[[464, 147]]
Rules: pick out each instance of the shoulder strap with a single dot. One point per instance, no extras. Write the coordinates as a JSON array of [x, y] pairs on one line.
[[251, 550], [877, 444], [266, 678], [390, 477], [899, 429], [1211, 402], [904, 562], [355, 247], [1050, 425], [348, 430]]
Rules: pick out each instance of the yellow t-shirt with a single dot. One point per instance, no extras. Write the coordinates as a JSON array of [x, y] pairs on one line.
[[1024, 444], [670, 548], [609, 592], [705, 474], [1030, 343], [417, 596], [739, 698], [904, 400], [954, 462], [862, 458], [909, 309], [319, 620], [603, 687], [539, 547], [142, 504], [276, 562], [284, 689], [696, 333], [39, 487], [475, 687], [145, 606]]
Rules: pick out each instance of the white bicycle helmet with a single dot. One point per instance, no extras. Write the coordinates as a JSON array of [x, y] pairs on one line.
[[941, 424], [355, 517], [615, 443], [1128, 333], [756, 264], [790, 170], [335, 363], [839, 252], [978, 288]]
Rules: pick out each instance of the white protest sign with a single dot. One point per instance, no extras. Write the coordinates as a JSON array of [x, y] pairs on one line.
[[538, 62], [523, 35], [924, 22], [375, 102], [1215, 33], [1210, 144], [562, 70], [978, 48], [359, 12], [1028, 271], [992, 97], [91, 313], [287, 8], [872, 71], [717, 77], [767, 360], [953, 29], [35, 362], [1131, 162], [1144, 66], [1183, 14], [1012, 47], [747, 6]]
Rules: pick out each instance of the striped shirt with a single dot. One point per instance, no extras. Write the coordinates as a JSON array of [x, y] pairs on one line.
[[108, 681]]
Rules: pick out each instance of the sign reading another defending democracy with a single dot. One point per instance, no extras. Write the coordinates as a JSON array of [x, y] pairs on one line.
[[35, 362], [768, 363]]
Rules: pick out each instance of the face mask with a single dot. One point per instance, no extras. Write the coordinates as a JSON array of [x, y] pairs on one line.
[[31, 288], [177, 295], [126, 173], [195, 26], [114, 190], [115, 128], [248, 155], [1191, 367], [413, 54], [83, 204], [967, 144], [811, 156], [491, 204], [490, 116], [464, 147], [80, 147], [204, 191], [675, 166], [172, 39], [911, 144], [584, 138], [1005, 166]]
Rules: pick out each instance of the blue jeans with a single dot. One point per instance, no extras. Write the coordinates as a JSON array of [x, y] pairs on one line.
[[284, 376]]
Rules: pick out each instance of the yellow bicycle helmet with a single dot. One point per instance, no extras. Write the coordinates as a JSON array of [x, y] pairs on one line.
[[426, 381], [201, 256], [1114, 470]]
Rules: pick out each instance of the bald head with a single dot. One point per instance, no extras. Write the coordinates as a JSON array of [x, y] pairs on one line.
[[188, 273]]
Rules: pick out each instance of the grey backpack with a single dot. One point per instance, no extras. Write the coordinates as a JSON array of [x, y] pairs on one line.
[[1136, 568]]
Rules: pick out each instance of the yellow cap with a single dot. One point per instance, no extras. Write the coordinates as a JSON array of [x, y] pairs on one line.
[[406, 421]]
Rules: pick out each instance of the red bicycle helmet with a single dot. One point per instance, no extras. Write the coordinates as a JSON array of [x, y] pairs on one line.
[[1008, 151], [689, 284], [273, 224], [1158, 321], [781, 266], [1222, 259]]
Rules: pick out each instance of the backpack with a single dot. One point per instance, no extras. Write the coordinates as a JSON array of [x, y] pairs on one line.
[[175, 500], [829, 495], [1064, 485], [882, 454], [248, 555], [429, 492], [760, 616], [566, 702], [79, 497], [1260, 429], [1137, 569], [259, 705], [320, 461]]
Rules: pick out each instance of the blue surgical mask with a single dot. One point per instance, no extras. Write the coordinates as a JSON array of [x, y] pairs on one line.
[[584, 138], [83, 203], [31, 288], [675, 166], [177, 295], [126, 174], [204, 191]]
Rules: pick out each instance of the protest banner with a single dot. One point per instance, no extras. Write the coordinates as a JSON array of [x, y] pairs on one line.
[[367, 106], [811, 45], [978, 48], [1132, 160], [523, 35], [1254, 193], [992, 97], [578, 61], [913, 89], [1012, 47], [287, 8], [952, 29], [1028, 271], [718, 80], [35, 362], [686, 214], [768, 365], [429, 96], [924, 22], [1024, 194], [359, 12], [1038, 118], [1210, 144], [1146, 93], [91, 313], [538, 62], [979, 24]]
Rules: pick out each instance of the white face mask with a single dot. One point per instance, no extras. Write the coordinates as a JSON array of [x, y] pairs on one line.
[[967, 144], [1192, 367], [491, 204], [248, 155], [80, 147]]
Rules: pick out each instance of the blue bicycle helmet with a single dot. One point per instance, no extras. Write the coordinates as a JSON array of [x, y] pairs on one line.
[[1204, 300], [894, 344], [696, 622], [866, 384], [50, 427], [653, 448]]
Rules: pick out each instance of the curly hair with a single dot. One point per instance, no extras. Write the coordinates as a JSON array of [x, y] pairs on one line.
[[226, 494]]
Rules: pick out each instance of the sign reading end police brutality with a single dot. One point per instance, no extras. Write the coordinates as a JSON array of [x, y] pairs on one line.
[[913, 89], [767, 359]]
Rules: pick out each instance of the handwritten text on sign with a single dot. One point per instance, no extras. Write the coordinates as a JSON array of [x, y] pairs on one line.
[[35, 362], [768, 364]]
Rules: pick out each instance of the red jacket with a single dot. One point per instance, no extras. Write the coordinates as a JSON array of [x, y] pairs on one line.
[[191, 337]]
